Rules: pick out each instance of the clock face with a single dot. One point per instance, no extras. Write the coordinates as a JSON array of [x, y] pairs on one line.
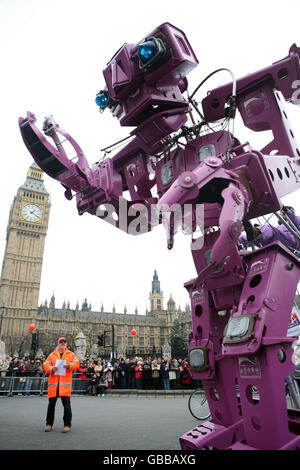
[[31, 212]]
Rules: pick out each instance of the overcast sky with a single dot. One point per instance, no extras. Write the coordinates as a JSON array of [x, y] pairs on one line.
[[52, 56]]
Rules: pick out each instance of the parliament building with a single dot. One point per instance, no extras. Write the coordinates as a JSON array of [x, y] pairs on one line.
[[20, 285]]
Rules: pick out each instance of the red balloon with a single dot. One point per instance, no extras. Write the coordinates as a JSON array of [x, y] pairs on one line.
[[133, 332], [31, 327]]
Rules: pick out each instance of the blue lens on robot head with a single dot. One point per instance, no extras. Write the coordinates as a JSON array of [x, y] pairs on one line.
[[147, 50], [150, 52], [102, 99]]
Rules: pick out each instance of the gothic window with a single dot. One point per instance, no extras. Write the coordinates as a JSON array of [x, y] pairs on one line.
[[119, 340]]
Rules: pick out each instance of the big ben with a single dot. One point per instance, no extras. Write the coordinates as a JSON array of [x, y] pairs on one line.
[[23, 256]]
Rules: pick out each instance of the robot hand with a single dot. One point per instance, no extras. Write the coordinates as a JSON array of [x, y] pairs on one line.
[[76, 176]]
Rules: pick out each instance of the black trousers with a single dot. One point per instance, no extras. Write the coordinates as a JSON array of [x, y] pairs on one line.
[[66, 401]]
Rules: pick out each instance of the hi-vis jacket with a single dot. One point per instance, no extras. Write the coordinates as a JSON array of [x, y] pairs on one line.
[[64, 382]]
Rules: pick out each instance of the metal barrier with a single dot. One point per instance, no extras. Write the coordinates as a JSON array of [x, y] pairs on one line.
[[5, 385], [26, 386]]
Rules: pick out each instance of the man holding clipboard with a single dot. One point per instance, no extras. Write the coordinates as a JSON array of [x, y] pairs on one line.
[[59, 365]]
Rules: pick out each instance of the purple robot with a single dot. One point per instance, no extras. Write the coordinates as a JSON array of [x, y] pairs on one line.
[[240, 300]]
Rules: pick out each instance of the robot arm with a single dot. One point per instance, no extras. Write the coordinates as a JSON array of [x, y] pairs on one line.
[[282, 75], [223, 186], [144, 89], [74, 176], [260, 100]]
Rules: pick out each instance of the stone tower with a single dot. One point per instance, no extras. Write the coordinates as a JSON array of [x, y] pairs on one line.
[[23, 256], [156, 295]]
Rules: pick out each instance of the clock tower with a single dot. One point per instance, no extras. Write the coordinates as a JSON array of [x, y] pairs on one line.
[[23, 257]]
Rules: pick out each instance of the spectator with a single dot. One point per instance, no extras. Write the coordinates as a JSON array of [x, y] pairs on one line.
[[155, 374], [102, 385], [108, 371], [138, 374], [122, 369], [13, 367], [39, 368], [16, 369], [81, 374], [4, 365], [93, 384], [31, 373], [174, 373], [98, 368], [185, 376], [165, 369], [90, 369], [131, 373], [116, 375], [147, 375]]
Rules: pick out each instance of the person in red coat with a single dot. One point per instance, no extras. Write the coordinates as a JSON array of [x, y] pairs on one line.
[[185, 376], [138, 374], [81, 376]]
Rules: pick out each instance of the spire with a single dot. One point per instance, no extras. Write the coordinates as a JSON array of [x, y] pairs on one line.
[[136, 311], [52, 301], [155, 283], [171, 303]]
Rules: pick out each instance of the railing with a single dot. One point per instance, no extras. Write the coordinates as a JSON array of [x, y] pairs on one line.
[[27, 385]]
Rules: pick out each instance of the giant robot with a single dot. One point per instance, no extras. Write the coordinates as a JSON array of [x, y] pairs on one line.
[[185, 156]]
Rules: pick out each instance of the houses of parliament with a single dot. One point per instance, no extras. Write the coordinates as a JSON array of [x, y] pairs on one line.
[[20, 285]]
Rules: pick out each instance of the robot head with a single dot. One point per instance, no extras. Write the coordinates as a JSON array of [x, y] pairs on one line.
[[148, 78]]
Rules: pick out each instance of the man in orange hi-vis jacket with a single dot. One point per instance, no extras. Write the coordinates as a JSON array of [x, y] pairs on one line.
[[60, 385]]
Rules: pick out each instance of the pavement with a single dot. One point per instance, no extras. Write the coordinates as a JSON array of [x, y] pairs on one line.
[[115, 422]]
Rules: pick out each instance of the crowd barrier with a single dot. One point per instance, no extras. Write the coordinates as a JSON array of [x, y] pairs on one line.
[[26, 386], [10, 386]]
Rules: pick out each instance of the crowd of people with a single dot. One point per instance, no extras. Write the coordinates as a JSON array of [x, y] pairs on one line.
[[96, 375], [147, 374]]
